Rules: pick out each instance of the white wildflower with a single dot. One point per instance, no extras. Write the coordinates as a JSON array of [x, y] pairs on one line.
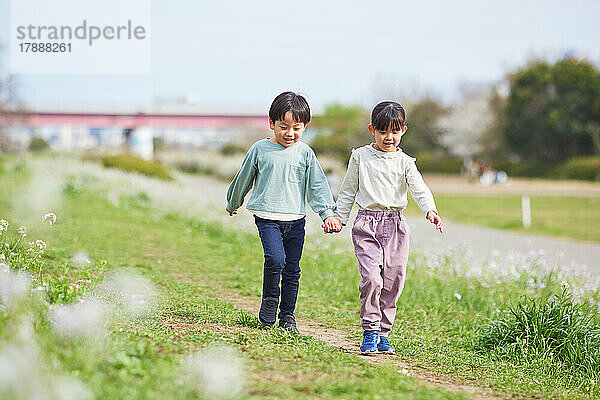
[[50, 217], [404, 371], [3, 225], [458, 296], [22, 231], [41, 244]]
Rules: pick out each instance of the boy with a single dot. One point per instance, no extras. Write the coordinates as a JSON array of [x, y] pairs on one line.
[[283, 173]]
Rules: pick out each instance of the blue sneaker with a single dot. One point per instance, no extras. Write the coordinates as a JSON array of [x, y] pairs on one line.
[[369, 343], [384, 346]]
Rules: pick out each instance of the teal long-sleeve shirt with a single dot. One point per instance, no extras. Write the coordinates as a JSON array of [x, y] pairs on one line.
[[283, 179]]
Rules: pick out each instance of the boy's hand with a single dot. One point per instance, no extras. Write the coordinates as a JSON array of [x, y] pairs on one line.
[[231, 212], [435, 219], [332, 224]]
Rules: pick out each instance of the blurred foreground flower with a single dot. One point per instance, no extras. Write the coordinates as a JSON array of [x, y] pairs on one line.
[[80, 258], [25, 376], [86, 318], [217, 372], [14, 285], [132, 291]]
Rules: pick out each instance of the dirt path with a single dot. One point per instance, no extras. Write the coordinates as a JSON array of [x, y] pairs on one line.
[[341, 340]]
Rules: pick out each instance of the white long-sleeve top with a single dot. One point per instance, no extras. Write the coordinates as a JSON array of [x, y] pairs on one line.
[[378, 180]]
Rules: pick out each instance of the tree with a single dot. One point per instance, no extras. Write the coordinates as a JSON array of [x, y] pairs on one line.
[[340, 128], [424, 134], [553, 111]]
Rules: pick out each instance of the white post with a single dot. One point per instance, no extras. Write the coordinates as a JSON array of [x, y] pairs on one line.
[[526, 211], [141, 142]]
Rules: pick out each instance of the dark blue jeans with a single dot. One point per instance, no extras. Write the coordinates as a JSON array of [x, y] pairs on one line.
[[282, 242]]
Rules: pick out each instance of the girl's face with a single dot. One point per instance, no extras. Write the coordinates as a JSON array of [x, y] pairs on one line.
[[387, 140], [288, 131]]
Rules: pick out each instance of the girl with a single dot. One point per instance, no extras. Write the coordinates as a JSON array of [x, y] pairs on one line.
[[378, 177]]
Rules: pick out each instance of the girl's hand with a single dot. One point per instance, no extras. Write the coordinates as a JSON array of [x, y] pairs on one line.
[[436, 220], [231, 212]]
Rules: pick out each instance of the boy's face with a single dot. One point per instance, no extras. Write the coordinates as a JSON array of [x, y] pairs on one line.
[[387, 140], [288, 131]]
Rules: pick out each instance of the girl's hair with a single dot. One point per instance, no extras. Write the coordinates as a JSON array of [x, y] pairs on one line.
[[388, 114], [290, 101]]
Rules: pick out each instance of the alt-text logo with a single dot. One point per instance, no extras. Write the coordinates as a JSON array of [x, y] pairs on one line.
[[74, 36]]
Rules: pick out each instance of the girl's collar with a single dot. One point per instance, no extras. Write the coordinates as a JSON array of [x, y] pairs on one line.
[[384, 154]]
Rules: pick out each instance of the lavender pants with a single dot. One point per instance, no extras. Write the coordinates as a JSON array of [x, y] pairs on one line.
[[381, 245]]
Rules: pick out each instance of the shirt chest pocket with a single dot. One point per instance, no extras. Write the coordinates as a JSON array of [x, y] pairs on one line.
[[296, 174]]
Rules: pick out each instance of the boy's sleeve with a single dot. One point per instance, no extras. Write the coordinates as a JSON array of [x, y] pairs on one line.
[[243, 181], [318, 193], [348, 189], [418, 188]]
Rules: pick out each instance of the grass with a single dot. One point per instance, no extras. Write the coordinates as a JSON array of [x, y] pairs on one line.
[[143, 358], [567, 217], [560, 330], [189, 261]]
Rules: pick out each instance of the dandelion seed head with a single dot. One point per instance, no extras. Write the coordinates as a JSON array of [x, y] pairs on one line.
[[86, 318], [131, 290], [14, 285], [25, 375], [80, 258], [217, 372]]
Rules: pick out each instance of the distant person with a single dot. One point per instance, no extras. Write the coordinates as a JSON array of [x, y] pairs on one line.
[[378, 178], [284, 173]]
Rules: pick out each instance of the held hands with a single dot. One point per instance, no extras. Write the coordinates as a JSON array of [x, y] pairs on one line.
[[231, 212], [435, 219], [332, 225]]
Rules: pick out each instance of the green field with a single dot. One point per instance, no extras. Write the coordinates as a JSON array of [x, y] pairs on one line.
[[195, 263], [566, 217]]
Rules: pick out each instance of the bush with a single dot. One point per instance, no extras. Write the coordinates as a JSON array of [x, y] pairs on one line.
[[584, 168], [231, 148], [559, 331], [429, 162], [525, 168], [38, 144], [131, 163]]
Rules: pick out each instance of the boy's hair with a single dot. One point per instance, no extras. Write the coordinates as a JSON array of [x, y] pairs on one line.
[[290, 101], [388, 114]]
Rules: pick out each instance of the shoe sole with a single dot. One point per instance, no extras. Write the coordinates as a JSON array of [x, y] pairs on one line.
[[369, 352], [390, 352]]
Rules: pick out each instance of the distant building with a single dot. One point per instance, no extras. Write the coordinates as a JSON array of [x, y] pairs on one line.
[[87, 127]]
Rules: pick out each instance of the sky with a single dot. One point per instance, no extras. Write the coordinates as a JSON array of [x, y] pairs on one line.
[[240, 54]]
